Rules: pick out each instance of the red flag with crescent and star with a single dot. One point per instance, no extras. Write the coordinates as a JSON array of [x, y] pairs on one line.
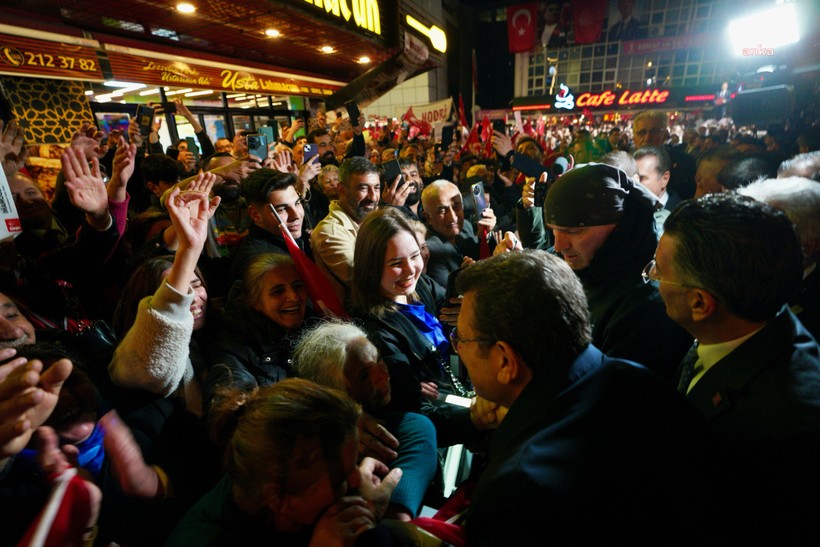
[[521, 23]]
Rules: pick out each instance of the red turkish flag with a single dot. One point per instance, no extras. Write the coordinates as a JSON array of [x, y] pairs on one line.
[[318, 287], [521, 23]]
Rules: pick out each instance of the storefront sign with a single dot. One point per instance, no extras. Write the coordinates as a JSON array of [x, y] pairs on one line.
[[622, 98], [564, 99], [45, 59], [432, 113], [365, 13], [149, 71]]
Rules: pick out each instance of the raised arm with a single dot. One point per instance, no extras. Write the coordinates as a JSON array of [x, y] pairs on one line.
[[154, 353]]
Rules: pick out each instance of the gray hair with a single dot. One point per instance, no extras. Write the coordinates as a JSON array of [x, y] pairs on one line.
[[322, 352]]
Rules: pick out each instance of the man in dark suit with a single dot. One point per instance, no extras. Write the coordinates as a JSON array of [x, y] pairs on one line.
[[590, 444], [651, 127], [450, 240], [727, 266]]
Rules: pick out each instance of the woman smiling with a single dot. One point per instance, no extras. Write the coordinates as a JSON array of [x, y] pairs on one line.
[[398, 311], [263, 318]]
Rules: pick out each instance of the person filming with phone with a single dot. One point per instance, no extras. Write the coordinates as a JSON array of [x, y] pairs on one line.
[[451, 240]]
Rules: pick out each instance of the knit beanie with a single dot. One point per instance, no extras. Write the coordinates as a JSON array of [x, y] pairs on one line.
[[589, 195]]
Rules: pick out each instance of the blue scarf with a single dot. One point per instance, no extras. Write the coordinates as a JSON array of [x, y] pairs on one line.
[[428, 325]]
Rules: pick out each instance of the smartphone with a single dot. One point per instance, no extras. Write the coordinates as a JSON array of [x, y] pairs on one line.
[[268, 132], [257, 146], [477, 190], [310, 150], [145, 119], [169, 107], [541, 189], [392, 169], [500, 126], [193, 147], [353, 112], [528, 166], [446, 136]]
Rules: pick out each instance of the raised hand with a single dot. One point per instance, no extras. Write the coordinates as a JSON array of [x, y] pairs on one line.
[[136, 478], [134, 135], [27, 398], [502, 143], [85, 187], [237, 170], [307, 171], [487, 219], [283, 162], [394, 194], [506, 243], [88, 140], [13, 151], [123, 168], [190, 211]]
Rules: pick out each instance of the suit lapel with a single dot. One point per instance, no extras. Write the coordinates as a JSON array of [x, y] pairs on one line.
[[714, 391]]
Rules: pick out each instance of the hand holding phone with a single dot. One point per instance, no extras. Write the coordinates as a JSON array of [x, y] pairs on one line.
[[477, 190], [353, 112], [309, 150], [257, 146], [193, 147], [392, 169], [145, 119]]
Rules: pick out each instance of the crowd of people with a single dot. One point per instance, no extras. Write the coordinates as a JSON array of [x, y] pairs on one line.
[[242, 350]]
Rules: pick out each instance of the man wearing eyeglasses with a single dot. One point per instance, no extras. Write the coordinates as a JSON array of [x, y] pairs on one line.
[[604, 229], [590, 444], [650, 127], [727, 266]]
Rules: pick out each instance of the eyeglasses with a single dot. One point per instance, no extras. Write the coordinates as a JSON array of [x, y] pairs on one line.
[[650, 273], [455, 340]]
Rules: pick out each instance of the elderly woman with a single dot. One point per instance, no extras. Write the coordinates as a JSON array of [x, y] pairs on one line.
[[291, 453], [262, 320], [340, 356]]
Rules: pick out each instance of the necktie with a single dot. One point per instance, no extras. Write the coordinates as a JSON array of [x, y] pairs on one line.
[[688, 369]]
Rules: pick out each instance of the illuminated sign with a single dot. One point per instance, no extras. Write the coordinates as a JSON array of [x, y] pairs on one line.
[[365, 13], [220, 78], [45, 59], [625, 98], [564, 99]]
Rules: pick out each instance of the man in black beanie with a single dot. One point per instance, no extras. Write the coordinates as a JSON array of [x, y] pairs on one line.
[[603, 227]]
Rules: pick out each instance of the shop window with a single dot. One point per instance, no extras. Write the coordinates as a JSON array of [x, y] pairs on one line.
[[657, 18], [612, 62], [599, 50], [586, 52], [215, 126], [612, 49], [598, 64]]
